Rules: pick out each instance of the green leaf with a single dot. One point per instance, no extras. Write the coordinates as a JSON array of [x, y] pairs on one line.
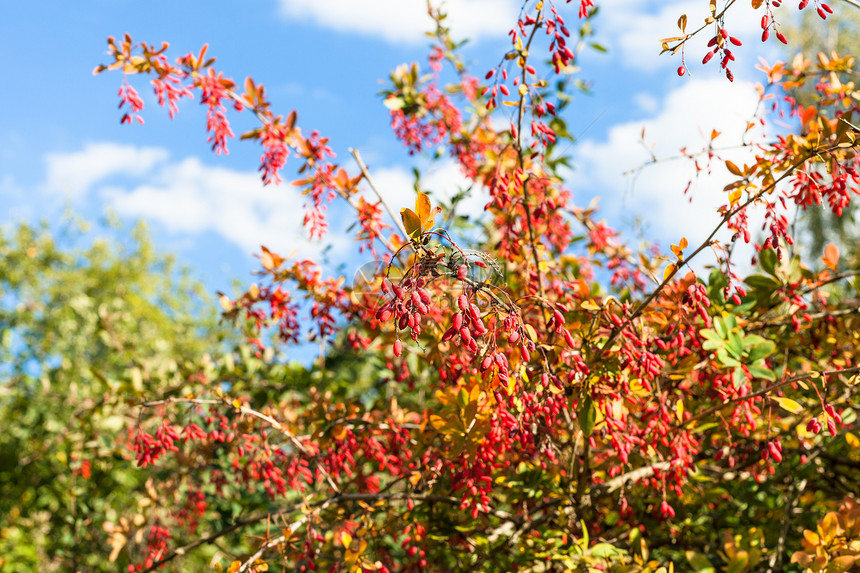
[[720, 327], [759, 370], [759, 350], [762, 282], [587, 415], [604, 551], [736, 345], [699, 562], [724, 359], [767, 260]]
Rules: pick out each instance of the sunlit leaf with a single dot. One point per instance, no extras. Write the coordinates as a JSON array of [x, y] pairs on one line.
[[787, 404], [411, 223], [831, 256]]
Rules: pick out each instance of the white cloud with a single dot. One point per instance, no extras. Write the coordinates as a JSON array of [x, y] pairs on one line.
[[443, 179], [190, 198], [646, 102], [404, 21], [185, 196], [73, 174], [686, 118]]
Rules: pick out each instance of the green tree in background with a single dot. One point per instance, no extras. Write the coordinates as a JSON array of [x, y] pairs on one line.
[[839, 34], [84, 331]]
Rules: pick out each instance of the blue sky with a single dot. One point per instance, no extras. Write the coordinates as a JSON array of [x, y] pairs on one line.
[[61, 143]]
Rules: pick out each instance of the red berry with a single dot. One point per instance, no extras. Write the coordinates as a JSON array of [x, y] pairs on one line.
[[398, 347], [681, 70], [458, 321]]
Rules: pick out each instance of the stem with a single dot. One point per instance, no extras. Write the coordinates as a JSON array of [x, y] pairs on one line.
[[364, 171], [767, 390], [524, 54]]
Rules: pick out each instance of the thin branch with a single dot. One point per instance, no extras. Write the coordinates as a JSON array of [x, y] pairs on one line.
[[364, 171], [265, 417], [767, 390], [705, 244]]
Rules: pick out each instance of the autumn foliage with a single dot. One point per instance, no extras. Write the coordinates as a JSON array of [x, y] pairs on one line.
[[549, 397]]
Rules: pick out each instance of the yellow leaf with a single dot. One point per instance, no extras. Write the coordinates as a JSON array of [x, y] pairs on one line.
[[787, 404], [234, 566], [226, 303], [682, 23], [683, 243], [523, 89], [679, 409], [411, 223], [345, 538], [852, 440], [735, 196], [438, 422], [733, 169], [756, 4], [589, 305], [531, 333], [668, 272]]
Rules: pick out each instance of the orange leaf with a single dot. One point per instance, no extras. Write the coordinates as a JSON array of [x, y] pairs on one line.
[[831, 256], [807, 114], [270, 260]]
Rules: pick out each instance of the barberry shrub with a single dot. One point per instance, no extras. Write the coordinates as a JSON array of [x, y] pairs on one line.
[[546, 397]]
